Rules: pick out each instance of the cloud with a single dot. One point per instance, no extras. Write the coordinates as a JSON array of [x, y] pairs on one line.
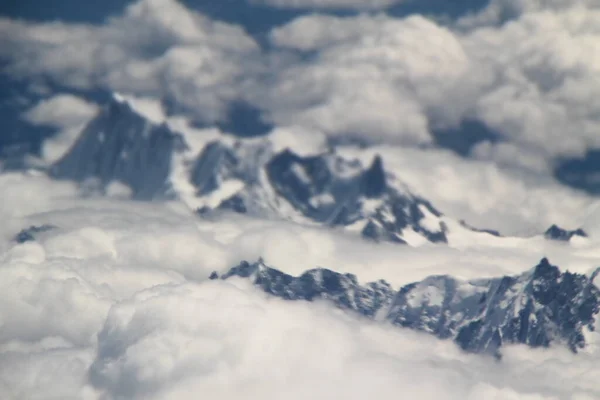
[[241, 344], [372, 76], [64, 112], [524, 68], [329, 4], [115, 303], [498, 11], [156, 48], [532, 80], [61, 111], [545, 95]]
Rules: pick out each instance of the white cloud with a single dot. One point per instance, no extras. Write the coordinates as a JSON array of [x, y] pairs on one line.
[[499, 11], [61, 111], [304, 142], [371, 76], [546, 92], [156, 48], [66, 113], [115, 303], [531, 79], [329, 4]]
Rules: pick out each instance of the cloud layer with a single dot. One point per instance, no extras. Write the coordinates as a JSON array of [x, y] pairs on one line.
[[532, 80], [115, 303], [524, 68]]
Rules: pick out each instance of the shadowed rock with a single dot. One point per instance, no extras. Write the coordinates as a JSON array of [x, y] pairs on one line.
[[557, 233]]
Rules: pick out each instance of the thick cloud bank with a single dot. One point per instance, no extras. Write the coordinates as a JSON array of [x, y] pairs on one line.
[[532, 80], [526, 69], [373, 76], [157, 47], [115, 303]]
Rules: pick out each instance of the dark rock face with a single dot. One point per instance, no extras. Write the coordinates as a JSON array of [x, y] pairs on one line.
[[120, 145], [373, 179], [29, 234], [214, 159], [557, 233], [323, 188], [538, 308], [342, 289]]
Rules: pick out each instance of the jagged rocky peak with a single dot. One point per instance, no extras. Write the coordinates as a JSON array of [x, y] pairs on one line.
[[537, 308], [540, 307], [374, 180], [557, 233], [336, 191], [323, 188], [121, 145], [318, 283]]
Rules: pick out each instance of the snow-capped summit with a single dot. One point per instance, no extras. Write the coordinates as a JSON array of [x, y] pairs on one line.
[[120, 145], [540, 307]]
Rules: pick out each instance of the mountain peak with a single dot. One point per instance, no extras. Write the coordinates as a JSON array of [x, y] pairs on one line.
[[557, 233], [373, 179], [121, 145]]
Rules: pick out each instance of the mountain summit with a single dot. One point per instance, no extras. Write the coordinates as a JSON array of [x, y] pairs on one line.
[[121, 145]]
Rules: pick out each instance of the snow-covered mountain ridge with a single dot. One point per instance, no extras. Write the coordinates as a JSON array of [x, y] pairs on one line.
[[538, 308], [256, 176]]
